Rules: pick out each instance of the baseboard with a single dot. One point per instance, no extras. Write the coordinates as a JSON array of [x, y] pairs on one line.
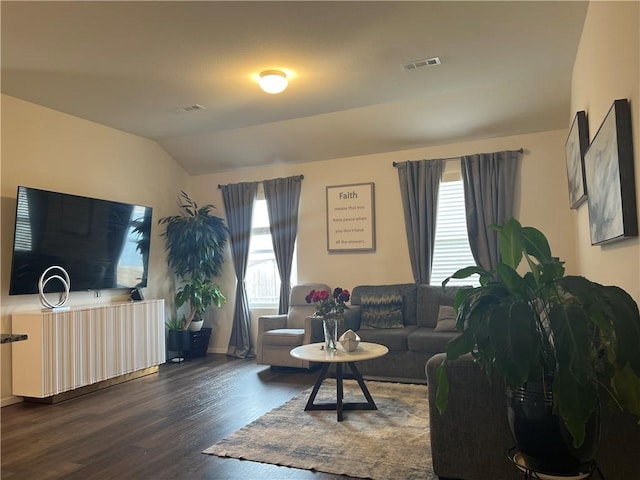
[[12, 400], [217, 350], [61, 397]]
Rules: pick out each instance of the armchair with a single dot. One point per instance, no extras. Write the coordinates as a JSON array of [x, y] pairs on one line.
[[278, 334]]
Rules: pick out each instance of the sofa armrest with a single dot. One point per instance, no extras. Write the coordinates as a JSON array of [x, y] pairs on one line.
[[313, 332], [271, 322], [471, 438]]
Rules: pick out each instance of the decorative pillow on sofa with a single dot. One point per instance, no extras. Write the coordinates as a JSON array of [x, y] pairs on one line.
[[446, 319], [381, 311]]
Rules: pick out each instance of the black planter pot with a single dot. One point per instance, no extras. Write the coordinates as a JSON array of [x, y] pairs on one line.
[[542, 437], [178, 341]]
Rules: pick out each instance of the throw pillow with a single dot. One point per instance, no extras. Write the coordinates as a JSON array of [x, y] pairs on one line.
[[446, 319], [381, 311]]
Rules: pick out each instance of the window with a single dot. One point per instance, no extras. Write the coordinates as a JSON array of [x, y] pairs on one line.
[[451, 249], [262, 279]]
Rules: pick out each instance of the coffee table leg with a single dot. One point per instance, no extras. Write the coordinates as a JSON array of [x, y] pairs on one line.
[[316, 387], [358, 376], [340, 406], [339, 391]]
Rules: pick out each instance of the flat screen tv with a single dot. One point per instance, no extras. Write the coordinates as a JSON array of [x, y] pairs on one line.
[[100, 243]]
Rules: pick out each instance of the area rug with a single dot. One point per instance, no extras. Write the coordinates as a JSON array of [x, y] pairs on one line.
[[389, 443]]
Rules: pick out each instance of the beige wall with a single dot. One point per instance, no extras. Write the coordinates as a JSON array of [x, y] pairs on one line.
[[607, 68], [46, 149], [542, 202]]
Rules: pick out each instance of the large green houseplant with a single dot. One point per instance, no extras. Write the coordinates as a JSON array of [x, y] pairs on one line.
[[195, 242], [199, 293], [543, 324]]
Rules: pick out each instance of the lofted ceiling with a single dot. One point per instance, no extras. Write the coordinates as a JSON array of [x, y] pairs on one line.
[[505, 70]]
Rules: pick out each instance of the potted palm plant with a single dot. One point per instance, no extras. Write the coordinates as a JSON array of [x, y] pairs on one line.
[[559, 342], [195, 242]]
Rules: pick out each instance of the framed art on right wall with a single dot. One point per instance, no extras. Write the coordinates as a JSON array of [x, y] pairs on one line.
[[609, 173], [575, 148]]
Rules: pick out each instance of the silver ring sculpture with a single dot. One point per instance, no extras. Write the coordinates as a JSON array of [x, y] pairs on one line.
[[65, 281]]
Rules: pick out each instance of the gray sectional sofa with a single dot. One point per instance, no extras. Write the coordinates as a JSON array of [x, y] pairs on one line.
[[471, 439], [412, 341]]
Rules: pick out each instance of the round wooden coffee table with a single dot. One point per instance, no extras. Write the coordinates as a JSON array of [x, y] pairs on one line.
[[315, 352]]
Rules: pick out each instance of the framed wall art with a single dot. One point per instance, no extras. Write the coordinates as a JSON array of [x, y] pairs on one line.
[[610, 178], [575, 148], [351, 218]]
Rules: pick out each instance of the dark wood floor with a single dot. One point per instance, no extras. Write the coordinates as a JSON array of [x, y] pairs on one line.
[[153, 427]]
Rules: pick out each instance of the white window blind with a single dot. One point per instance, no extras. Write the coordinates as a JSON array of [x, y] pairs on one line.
[[262, 279], [451, 250]]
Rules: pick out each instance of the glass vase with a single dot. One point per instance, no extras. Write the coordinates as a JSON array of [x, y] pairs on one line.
[[330, 325]]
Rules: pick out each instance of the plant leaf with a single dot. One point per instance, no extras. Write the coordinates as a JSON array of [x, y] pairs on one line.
[[512, 331], [552, 270], [512, 281], [510, 243], [442, 392], [536, 244], [623, 312], [627, 387], [460, 345], [579, 287], [574, 403], [572, 337], [465, 273]]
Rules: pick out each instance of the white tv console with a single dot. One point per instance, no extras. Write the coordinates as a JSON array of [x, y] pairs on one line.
[[67, 350]]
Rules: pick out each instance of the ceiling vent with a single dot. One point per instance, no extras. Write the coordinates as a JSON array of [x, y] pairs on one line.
[[425, 62], [190, 108]]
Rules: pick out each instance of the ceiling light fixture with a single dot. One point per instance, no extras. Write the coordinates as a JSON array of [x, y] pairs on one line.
[[273, 81]]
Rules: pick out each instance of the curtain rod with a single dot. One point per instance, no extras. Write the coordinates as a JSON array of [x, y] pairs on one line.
[[520, 150], [260, 181]]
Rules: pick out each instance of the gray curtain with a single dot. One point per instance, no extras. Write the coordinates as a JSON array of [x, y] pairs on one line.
[[238, 206], [283, 196], [419, 185], [489, 181]]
